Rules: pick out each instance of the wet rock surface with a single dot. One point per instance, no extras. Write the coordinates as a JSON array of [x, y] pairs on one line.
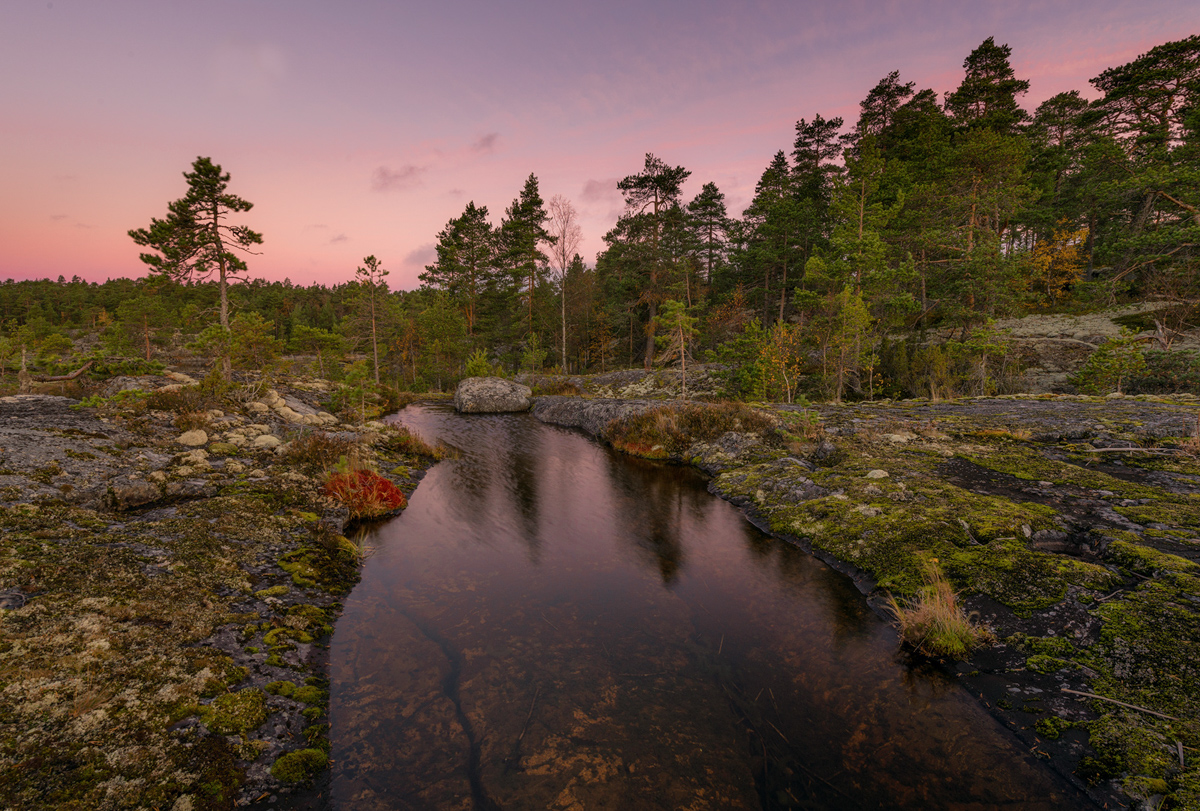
[[1070, 524], [158, 599]]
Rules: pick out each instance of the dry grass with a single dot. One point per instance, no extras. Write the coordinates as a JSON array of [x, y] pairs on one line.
[[89, 700], [318, 451], [191, 420], [402, 440], [934, 623], [660, 432]]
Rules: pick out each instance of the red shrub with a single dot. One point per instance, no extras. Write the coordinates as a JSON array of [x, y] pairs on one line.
[[365, 493]]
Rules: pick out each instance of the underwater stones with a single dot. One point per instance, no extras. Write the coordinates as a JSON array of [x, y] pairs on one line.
[[491, 395], [877, 474], [194, 438], [267, 442]]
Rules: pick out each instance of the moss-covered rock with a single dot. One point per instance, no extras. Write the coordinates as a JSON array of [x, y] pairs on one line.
[[296, 767], [236, 713]]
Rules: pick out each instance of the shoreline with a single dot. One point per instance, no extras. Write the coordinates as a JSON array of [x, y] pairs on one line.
[[881, 487], [170, 603]]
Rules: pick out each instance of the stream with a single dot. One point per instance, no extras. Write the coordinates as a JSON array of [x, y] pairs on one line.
[[554, 625]]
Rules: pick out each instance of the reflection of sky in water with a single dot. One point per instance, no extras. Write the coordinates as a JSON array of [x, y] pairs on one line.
[[553, 625]]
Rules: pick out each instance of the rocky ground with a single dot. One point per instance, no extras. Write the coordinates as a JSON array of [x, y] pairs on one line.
[[169, 575], [1071, 524]]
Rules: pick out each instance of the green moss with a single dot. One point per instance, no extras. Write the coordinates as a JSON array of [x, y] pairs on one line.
[[1050, 646], [1172, 513], [1051, 728], [280, 636], [311, 695], [223, 449], [296, 767], [281, 688], [1039, 663], [273, 591], [1146, 560], [236, 713], [315, 617]]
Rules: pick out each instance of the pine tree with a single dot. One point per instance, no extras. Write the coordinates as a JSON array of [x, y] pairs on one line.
[[648, 196], [988, 94], [196, 240]]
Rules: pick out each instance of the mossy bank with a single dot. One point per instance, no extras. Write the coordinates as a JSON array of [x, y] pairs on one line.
[[1071, 525], [169, 578]]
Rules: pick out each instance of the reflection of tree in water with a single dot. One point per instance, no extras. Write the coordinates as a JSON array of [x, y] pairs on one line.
[[521, 467], [802, 575], [650, 499]]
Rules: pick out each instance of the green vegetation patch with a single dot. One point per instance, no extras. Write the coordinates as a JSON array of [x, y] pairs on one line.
[[236, 713], [296, 767]]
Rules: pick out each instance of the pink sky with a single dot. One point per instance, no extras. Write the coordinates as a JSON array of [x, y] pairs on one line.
[[362, 128]]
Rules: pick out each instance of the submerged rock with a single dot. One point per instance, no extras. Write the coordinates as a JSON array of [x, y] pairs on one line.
[[491, 395]]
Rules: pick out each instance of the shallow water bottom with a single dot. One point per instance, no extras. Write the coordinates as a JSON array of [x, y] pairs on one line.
[[552, 625]]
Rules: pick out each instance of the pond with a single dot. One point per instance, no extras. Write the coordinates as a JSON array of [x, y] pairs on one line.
[[551, 624]]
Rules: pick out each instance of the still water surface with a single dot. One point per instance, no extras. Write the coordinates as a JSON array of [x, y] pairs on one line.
[[553, 625]]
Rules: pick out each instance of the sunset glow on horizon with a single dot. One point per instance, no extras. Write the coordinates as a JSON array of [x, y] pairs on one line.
[[363, 129]]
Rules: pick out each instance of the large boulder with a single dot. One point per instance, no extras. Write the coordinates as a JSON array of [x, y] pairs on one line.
[[491, 395]]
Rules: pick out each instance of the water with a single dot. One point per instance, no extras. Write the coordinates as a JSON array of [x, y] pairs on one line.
[[553, 625]]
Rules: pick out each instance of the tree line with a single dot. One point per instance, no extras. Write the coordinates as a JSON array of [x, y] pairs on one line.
[[872, 257]]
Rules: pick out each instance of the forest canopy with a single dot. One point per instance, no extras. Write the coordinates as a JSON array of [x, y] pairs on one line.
[[870, 261]]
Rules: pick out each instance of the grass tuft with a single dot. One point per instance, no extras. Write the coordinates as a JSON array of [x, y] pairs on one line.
[[934, 623], [660, 432]]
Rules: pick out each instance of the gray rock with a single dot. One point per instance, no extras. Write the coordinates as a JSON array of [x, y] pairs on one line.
[[125, 494], [491, 395]]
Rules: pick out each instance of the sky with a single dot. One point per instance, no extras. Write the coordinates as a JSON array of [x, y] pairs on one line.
[[362, 128]]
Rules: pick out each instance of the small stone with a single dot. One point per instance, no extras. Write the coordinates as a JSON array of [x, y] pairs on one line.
[[267, 441], [877, 474], [258, 408], [193, 438], [1026, 530]]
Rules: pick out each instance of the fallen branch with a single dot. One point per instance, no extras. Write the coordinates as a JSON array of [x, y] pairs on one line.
[[71, 376], [1122, 703]]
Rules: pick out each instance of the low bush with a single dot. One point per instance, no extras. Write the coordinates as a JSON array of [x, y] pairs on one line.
[[934, 623], [187, 399], [662, 432], [365, 493], [555, 386], [317, 450], [191, 420]]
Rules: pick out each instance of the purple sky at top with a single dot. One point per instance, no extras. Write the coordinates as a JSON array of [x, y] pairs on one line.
[[361, 128]]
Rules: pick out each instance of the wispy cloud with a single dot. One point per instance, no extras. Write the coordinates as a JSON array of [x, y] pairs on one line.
[[387, 179], [486, 144], [57, 217], [339, 238], [595, 191], [420, 257]]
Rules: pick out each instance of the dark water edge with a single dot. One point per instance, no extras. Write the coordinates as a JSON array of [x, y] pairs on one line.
[[553, 625]]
